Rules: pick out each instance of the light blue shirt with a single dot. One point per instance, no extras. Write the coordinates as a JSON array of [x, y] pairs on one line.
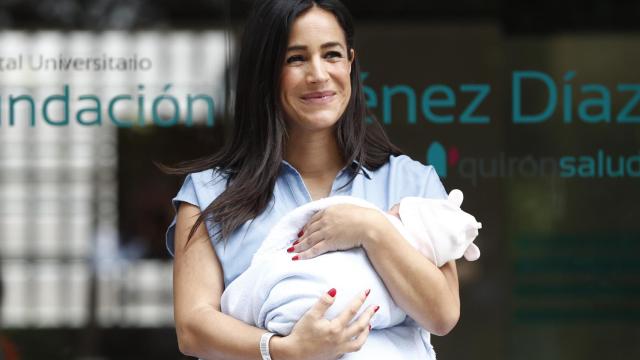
[[399, 177]]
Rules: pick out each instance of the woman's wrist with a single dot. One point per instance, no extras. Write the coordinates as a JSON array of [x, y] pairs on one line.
[[281, 349], [377, 232]]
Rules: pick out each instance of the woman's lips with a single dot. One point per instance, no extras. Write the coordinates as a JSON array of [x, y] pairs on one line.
[[322, 97]]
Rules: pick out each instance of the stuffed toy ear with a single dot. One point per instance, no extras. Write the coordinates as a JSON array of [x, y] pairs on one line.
[[456, 197], [472, 253]]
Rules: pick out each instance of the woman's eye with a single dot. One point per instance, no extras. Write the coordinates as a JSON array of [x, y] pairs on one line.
[[294, 58], [334, 54]]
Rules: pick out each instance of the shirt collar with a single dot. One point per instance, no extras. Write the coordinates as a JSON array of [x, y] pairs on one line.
[[354, 165]]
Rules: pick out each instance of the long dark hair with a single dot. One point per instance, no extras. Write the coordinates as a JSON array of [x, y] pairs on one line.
[[251, 159]]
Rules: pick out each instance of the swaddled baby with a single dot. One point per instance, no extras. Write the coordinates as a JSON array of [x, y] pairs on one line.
[[274, 292]]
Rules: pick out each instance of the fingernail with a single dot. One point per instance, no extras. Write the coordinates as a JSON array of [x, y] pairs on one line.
[[376, 309], [296, 242], [295, 258], [290, 249], [366, 293], [369, 327], [300, 233], [332, 292]]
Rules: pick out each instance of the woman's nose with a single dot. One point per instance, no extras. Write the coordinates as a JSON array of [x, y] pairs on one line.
[[317, 72]]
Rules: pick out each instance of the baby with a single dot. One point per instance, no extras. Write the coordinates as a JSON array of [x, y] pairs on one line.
[[274, 292]]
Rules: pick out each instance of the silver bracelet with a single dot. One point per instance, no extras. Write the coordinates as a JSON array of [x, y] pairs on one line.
[[264, 345]]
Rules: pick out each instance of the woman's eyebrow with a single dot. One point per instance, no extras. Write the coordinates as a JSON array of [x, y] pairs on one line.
[[323, 46]]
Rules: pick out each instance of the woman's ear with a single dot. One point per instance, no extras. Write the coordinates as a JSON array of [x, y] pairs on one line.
[[352, 56]]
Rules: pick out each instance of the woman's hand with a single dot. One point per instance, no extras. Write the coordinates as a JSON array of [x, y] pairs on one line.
[[338, 227], [314, 337]]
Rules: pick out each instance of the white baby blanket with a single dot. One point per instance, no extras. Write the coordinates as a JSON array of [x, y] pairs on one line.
[[274, 292], [442, 231]]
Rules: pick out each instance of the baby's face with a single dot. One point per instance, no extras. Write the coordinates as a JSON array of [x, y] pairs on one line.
[[395, 211]]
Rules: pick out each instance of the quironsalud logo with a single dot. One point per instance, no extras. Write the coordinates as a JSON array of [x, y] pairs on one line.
[[441, 159], [598, 164]]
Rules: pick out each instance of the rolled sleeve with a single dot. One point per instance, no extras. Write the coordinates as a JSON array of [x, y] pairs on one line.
[[187, 194], [433, 188]]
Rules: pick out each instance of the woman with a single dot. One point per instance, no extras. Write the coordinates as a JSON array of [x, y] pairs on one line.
[[300, 135]]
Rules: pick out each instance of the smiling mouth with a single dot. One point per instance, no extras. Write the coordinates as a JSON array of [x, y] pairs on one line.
[[322, 98]]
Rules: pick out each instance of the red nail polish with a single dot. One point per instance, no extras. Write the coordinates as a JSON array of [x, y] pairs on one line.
[[296, 242], [369, 327], [366, 293], [332, 292], [295, 258], [290, 249], [376, 309], [300, 233]]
